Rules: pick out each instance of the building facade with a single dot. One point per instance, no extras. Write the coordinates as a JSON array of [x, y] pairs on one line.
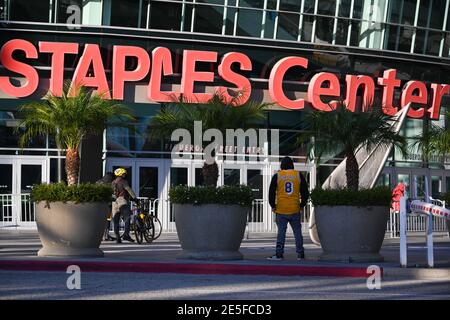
[[339, 37]]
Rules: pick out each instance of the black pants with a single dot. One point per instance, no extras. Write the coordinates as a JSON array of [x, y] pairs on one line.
[[125, 213]]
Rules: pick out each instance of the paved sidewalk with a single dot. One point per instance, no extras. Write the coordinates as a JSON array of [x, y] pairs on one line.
[[23, 245]]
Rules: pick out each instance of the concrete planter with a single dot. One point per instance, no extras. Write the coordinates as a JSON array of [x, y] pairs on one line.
[[351, 234], [69, 229], [448, 227], [210, 231]]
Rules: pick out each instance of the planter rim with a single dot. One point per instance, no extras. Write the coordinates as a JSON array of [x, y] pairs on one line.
[[213, 204], [71, 202], [342, 206]]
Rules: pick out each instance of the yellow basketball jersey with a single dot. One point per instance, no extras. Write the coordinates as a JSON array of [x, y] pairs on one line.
[[288, 192]]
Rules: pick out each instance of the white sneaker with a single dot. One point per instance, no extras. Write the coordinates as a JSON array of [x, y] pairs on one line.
[[276, 257]]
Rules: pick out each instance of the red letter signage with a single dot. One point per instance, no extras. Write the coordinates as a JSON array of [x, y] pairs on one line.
[[91, 55], [120, 54], [242, 83], [30, 73], [276, 82], [316, 91], [190, 75], [58, 50], [389, 82]]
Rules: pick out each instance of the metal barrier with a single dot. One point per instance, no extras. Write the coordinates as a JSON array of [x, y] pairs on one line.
[[6, 210], [429, 210], [414, 223], [17, 210]]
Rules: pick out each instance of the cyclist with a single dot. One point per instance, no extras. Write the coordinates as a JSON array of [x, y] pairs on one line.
[[121, 206]]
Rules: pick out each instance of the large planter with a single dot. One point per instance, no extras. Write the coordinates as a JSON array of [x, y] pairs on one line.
[[448, 227], [351, 234], [70, 229], [210, 231]]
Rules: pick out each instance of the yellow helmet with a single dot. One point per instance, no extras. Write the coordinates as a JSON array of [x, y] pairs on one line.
[[120, 172]]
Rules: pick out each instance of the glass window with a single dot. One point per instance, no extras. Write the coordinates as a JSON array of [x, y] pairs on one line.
[[290, 5], [124, 13], [324, 29], [231, 177], [3, 10], [307, 27], [269, 25], [327, 7], [229, 22], [249, 23], [408, 12], [148, 182], [272, 4], [252, 4], [288, 26], [208, 19], [167, 16], [56, 165], [431, 14], [342, 31], [358, 9], [26, 10], [344, 8], [63, 5], [6, 178], [433, 43], [309, 6]]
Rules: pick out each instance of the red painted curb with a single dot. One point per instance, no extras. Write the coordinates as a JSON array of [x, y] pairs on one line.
[[187, 268]]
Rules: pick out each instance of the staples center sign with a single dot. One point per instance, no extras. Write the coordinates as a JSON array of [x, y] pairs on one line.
[[159, 63]]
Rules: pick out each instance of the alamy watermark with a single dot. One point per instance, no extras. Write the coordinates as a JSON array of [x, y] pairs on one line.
[[233, 145], [74, 280], [374, 280]]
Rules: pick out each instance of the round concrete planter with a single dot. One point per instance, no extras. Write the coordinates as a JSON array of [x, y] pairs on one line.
[[70, 229], [210, 231], [351, 234]]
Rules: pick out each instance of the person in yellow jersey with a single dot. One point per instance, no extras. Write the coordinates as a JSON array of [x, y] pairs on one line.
[[288, 195]]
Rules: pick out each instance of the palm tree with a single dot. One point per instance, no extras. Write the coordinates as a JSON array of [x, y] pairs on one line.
[[342, 130], [70, 118], [217, 113], [435, 140]]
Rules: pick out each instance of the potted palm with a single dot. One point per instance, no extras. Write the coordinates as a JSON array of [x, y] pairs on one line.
[[351, 222], [210, 220], [71, 218]]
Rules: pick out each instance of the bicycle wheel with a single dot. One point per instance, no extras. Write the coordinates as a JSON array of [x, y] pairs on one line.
[[138, 230], [158, 227], [149, 230]]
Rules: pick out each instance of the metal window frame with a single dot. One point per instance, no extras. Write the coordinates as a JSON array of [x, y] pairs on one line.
[[336, 14], [416, 20], [444, 25], [313, 31], [300, 21]]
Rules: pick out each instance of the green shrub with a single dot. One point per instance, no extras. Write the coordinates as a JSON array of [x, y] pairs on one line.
[[77, 193], [379, 196], [239, 195], [446, 197]]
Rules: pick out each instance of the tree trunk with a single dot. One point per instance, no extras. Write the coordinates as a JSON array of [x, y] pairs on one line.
[[352, 171], [72, 166], [210, 174]]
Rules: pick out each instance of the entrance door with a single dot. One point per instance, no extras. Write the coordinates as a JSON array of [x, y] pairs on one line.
[[19, 175], [147, 178]]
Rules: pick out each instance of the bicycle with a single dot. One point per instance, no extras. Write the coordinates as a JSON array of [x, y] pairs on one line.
[[142, 223]]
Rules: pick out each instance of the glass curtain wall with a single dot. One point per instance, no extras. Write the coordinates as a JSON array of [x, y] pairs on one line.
[[411, 26]]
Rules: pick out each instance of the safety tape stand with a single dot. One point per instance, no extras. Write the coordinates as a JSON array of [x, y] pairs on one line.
[[424, 208]]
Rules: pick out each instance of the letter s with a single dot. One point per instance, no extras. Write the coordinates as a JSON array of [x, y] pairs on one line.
[[30, 73]]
